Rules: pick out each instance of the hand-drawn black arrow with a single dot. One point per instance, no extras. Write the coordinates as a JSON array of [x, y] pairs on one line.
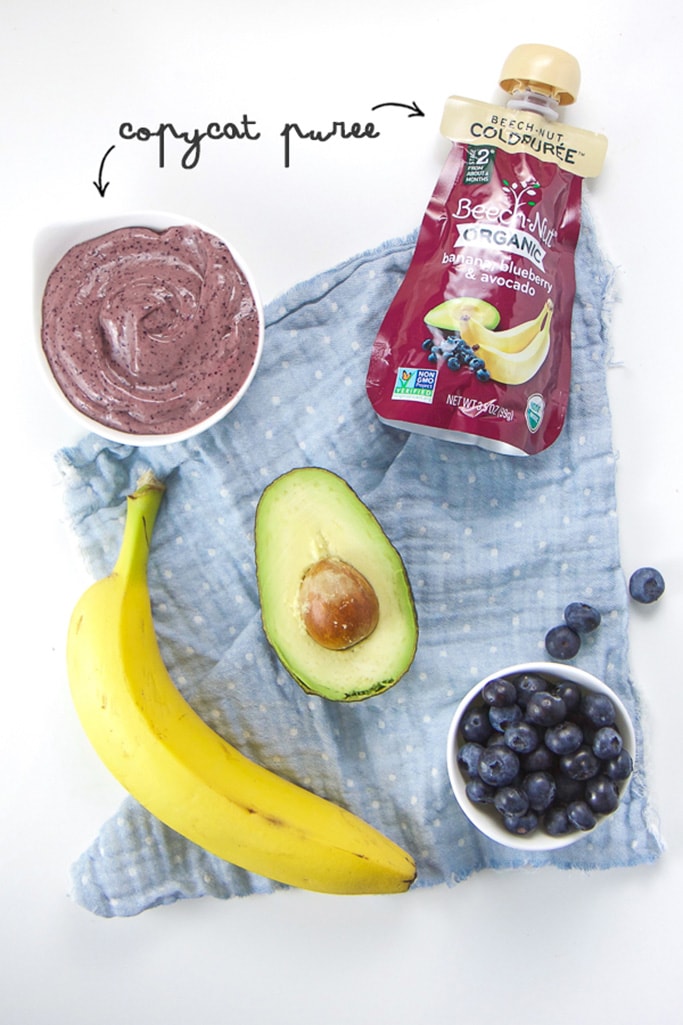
[[412, 107], [98, 184]]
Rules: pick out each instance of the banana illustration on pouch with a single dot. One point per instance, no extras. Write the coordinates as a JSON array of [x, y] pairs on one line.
[[512, 356], [513, 339], [180, 769]]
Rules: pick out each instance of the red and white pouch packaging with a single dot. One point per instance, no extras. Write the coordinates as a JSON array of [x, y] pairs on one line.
[[476, 345]]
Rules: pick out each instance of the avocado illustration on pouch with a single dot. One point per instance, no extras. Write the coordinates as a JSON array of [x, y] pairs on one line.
[[450, 314], [336, 603]]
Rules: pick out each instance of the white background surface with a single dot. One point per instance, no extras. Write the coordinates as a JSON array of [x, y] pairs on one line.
[[528, 947]]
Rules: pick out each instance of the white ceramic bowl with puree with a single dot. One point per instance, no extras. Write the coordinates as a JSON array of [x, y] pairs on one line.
[[486, 819], [52, 246]]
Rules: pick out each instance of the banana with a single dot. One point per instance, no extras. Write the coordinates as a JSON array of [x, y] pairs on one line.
[[518, 367], [181, 770], [513, 339]]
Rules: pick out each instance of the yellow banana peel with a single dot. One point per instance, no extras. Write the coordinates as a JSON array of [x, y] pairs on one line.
[[180, 769]]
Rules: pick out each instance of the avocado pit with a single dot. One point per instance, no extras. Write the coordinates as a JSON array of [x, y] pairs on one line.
[[339, 606]]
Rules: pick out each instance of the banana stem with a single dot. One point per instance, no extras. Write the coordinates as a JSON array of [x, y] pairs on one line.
[[142, 507]]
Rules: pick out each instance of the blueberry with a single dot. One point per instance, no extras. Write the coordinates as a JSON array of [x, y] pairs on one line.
[[521, 825], [581, 764], [598, 709], [564, 738], [479, 792], [540, 759], [580, 815], [607, 743], [453, 363], [646, 585], [503, 717], [468, 758], [511, 800], [581, 617], [556, 820], [521, 737], [483, 375], [499, 692], [498, 765], [495, 738], [602, 795], [540, 788], [528, 684], [570, 694], [476, 726], [568, 790], [619, 768], [428, 344], [562, 642], [545, 709]]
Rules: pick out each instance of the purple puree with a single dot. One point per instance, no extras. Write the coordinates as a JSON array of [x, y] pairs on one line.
[[150, 332]]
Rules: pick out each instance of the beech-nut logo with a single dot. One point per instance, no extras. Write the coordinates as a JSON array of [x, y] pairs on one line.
[[522, 194], [548, 144], [515, 226]]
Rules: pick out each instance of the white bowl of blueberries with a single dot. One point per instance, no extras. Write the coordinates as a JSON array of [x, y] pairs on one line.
[[539, 754]]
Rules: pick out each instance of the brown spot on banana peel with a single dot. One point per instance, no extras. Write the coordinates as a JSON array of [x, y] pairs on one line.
[[144, 527], [274, 820]]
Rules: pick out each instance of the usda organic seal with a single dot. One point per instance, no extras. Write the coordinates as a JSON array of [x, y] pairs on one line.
[[535, 409]]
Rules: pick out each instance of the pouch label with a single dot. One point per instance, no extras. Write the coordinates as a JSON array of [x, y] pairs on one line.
[[468, 346], [483, 126]]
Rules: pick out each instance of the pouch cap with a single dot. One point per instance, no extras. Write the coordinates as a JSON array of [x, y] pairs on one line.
[[543, 68]]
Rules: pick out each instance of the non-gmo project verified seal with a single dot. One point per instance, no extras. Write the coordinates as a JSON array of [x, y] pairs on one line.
[[415, 385]]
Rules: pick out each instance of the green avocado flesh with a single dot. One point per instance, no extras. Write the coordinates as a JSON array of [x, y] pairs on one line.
[[311, 514]]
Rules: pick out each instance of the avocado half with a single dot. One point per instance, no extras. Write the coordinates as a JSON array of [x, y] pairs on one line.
[[308, 515]]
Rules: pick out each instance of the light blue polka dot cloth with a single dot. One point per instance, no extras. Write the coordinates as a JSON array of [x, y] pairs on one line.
[[495, 547]]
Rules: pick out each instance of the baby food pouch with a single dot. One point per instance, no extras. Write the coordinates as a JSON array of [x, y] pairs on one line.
[[476, 345]]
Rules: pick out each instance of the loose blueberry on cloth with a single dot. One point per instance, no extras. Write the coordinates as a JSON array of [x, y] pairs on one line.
[[495, 547]]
